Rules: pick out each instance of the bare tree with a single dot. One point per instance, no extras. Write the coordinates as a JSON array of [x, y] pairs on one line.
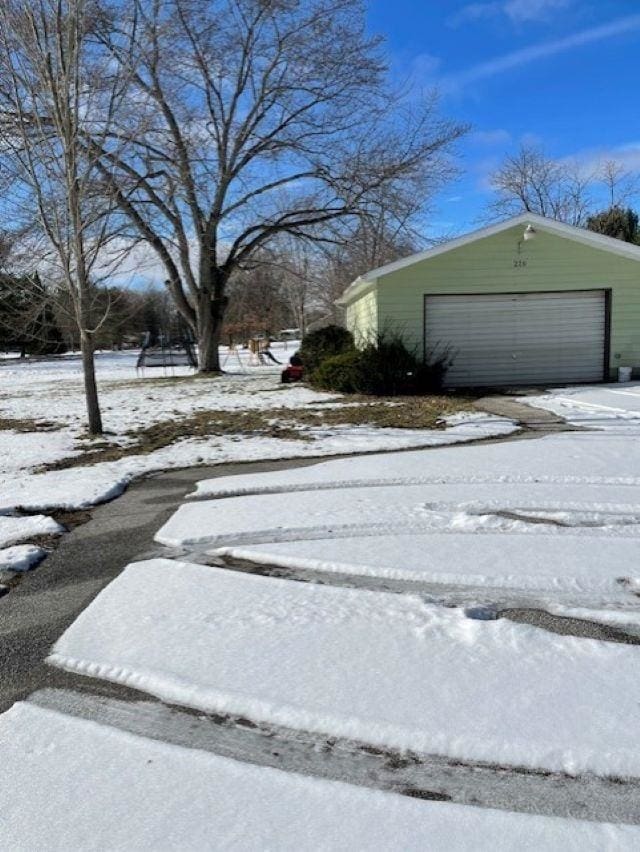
[[620, 183], [300, 270], [250, 119], [54, 91], [388, 232], [257, 303], [529, 181]]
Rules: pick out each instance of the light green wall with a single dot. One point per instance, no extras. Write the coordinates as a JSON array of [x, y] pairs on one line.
[[362, 317], [487, 266]]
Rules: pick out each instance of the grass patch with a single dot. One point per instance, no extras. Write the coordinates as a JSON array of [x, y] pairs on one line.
[[151, 381], [71, 518], [28, 425], [282, 423], [408, 412]]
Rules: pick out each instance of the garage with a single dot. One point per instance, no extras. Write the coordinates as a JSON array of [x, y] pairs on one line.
[[526, 301], [519, 338]]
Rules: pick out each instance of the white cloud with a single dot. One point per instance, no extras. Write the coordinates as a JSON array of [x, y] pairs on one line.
[[492, 138], [521, 11], [424, 68], [473, 12], [592, 160], [517, 11], [543, 50]]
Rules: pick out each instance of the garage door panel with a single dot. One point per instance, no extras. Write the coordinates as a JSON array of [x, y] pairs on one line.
[[532, 338]]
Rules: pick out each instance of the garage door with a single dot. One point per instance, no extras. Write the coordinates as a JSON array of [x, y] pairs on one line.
[[525, 338]]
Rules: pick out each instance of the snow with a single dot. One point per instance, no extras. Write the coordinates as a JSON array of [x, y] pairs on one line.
[[22, 451], [388, 670], [397, 509], [614, 409], [555, 515], [573, 565], [75, 784], [21, 557], [130, 401], [16, 529], [578, 458], [542, 515], [81, 487]]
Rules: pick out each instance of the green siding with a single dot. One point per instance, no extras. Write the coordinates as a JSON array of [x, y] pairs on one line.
[[487, 266], [362, 317]]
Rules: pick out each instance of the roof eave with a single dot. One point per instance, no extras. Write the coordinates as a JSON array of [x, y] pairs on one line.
[[357, 288]]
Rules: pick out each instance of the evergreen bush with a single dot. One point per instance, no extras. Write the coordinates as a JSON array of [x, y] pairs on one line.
[[324, 343], [383, 368]]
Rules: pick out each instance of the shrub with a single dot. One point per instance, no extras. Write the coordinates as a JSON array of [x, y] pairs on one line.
[[324, 343], [386, 368], [341, 373]]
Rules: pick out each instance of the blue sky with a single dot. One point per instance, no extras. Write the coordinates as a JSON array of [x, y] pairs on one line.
[[560, 73]]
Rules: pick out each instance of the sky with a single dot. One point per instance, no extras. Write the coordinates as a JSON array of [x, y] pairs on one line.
[[561, 74]]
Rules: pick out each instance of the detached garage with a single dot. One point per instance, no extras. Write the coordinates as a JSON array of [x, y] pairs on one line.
[[528, 301]]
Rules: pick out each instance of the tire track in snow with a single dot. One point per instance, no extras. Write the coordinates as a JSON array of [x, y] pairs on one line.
[[459, 523], [416, 480], [509, 788]]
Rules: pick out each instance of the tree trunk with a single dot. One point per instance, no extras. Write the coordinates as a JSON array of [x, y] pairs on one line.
[[90, 387], [210, 317]]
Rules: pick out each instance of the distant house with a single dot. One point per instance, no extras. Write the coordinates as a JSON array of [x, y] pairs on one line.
[[289, 334], [527, 301]]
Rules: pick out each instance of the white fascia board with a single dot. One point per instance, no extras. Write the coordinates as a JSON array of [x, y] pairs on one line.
[[356, 289]]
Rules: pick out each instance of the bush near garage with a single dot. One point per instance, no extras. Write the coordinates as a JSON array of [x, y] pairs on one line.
[[383, 368], [324, 343], [342, 373]]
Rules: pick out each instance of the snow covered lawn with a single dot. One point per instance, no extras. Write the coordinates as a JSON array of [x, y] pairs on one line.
[[42, 421], [15, 529], [74, 784], [16, 557], [20, 557], [388, 670]]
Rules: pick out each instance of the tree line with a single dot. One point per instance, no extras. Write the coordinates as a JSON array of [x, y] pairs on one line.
[[38, 319], [599, 197]]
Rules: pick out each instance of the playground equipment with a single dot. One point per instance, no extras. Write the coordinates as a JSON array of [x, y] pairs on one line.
[[233, 353], [260, 352], [166, 353]]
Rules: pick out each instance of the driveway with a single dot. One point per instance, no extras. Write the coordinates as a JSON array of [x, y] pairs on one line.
[[363, 620]]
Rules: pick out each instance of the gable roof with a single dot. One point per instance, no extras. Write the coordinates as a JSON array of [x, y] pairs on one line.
[[541, 223]]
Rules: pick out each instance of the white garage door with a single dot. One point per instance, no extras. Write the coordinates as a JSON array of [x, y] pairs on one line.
[[518, 339]]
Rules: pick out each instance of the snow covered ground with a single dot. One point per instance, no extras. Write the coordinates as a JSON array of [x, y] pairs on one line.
[[553, 521], [74, 784], [613, 408], [385, 669], [20, 557], [556, 517], [14, 529], [46, 397], [573, 567]]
